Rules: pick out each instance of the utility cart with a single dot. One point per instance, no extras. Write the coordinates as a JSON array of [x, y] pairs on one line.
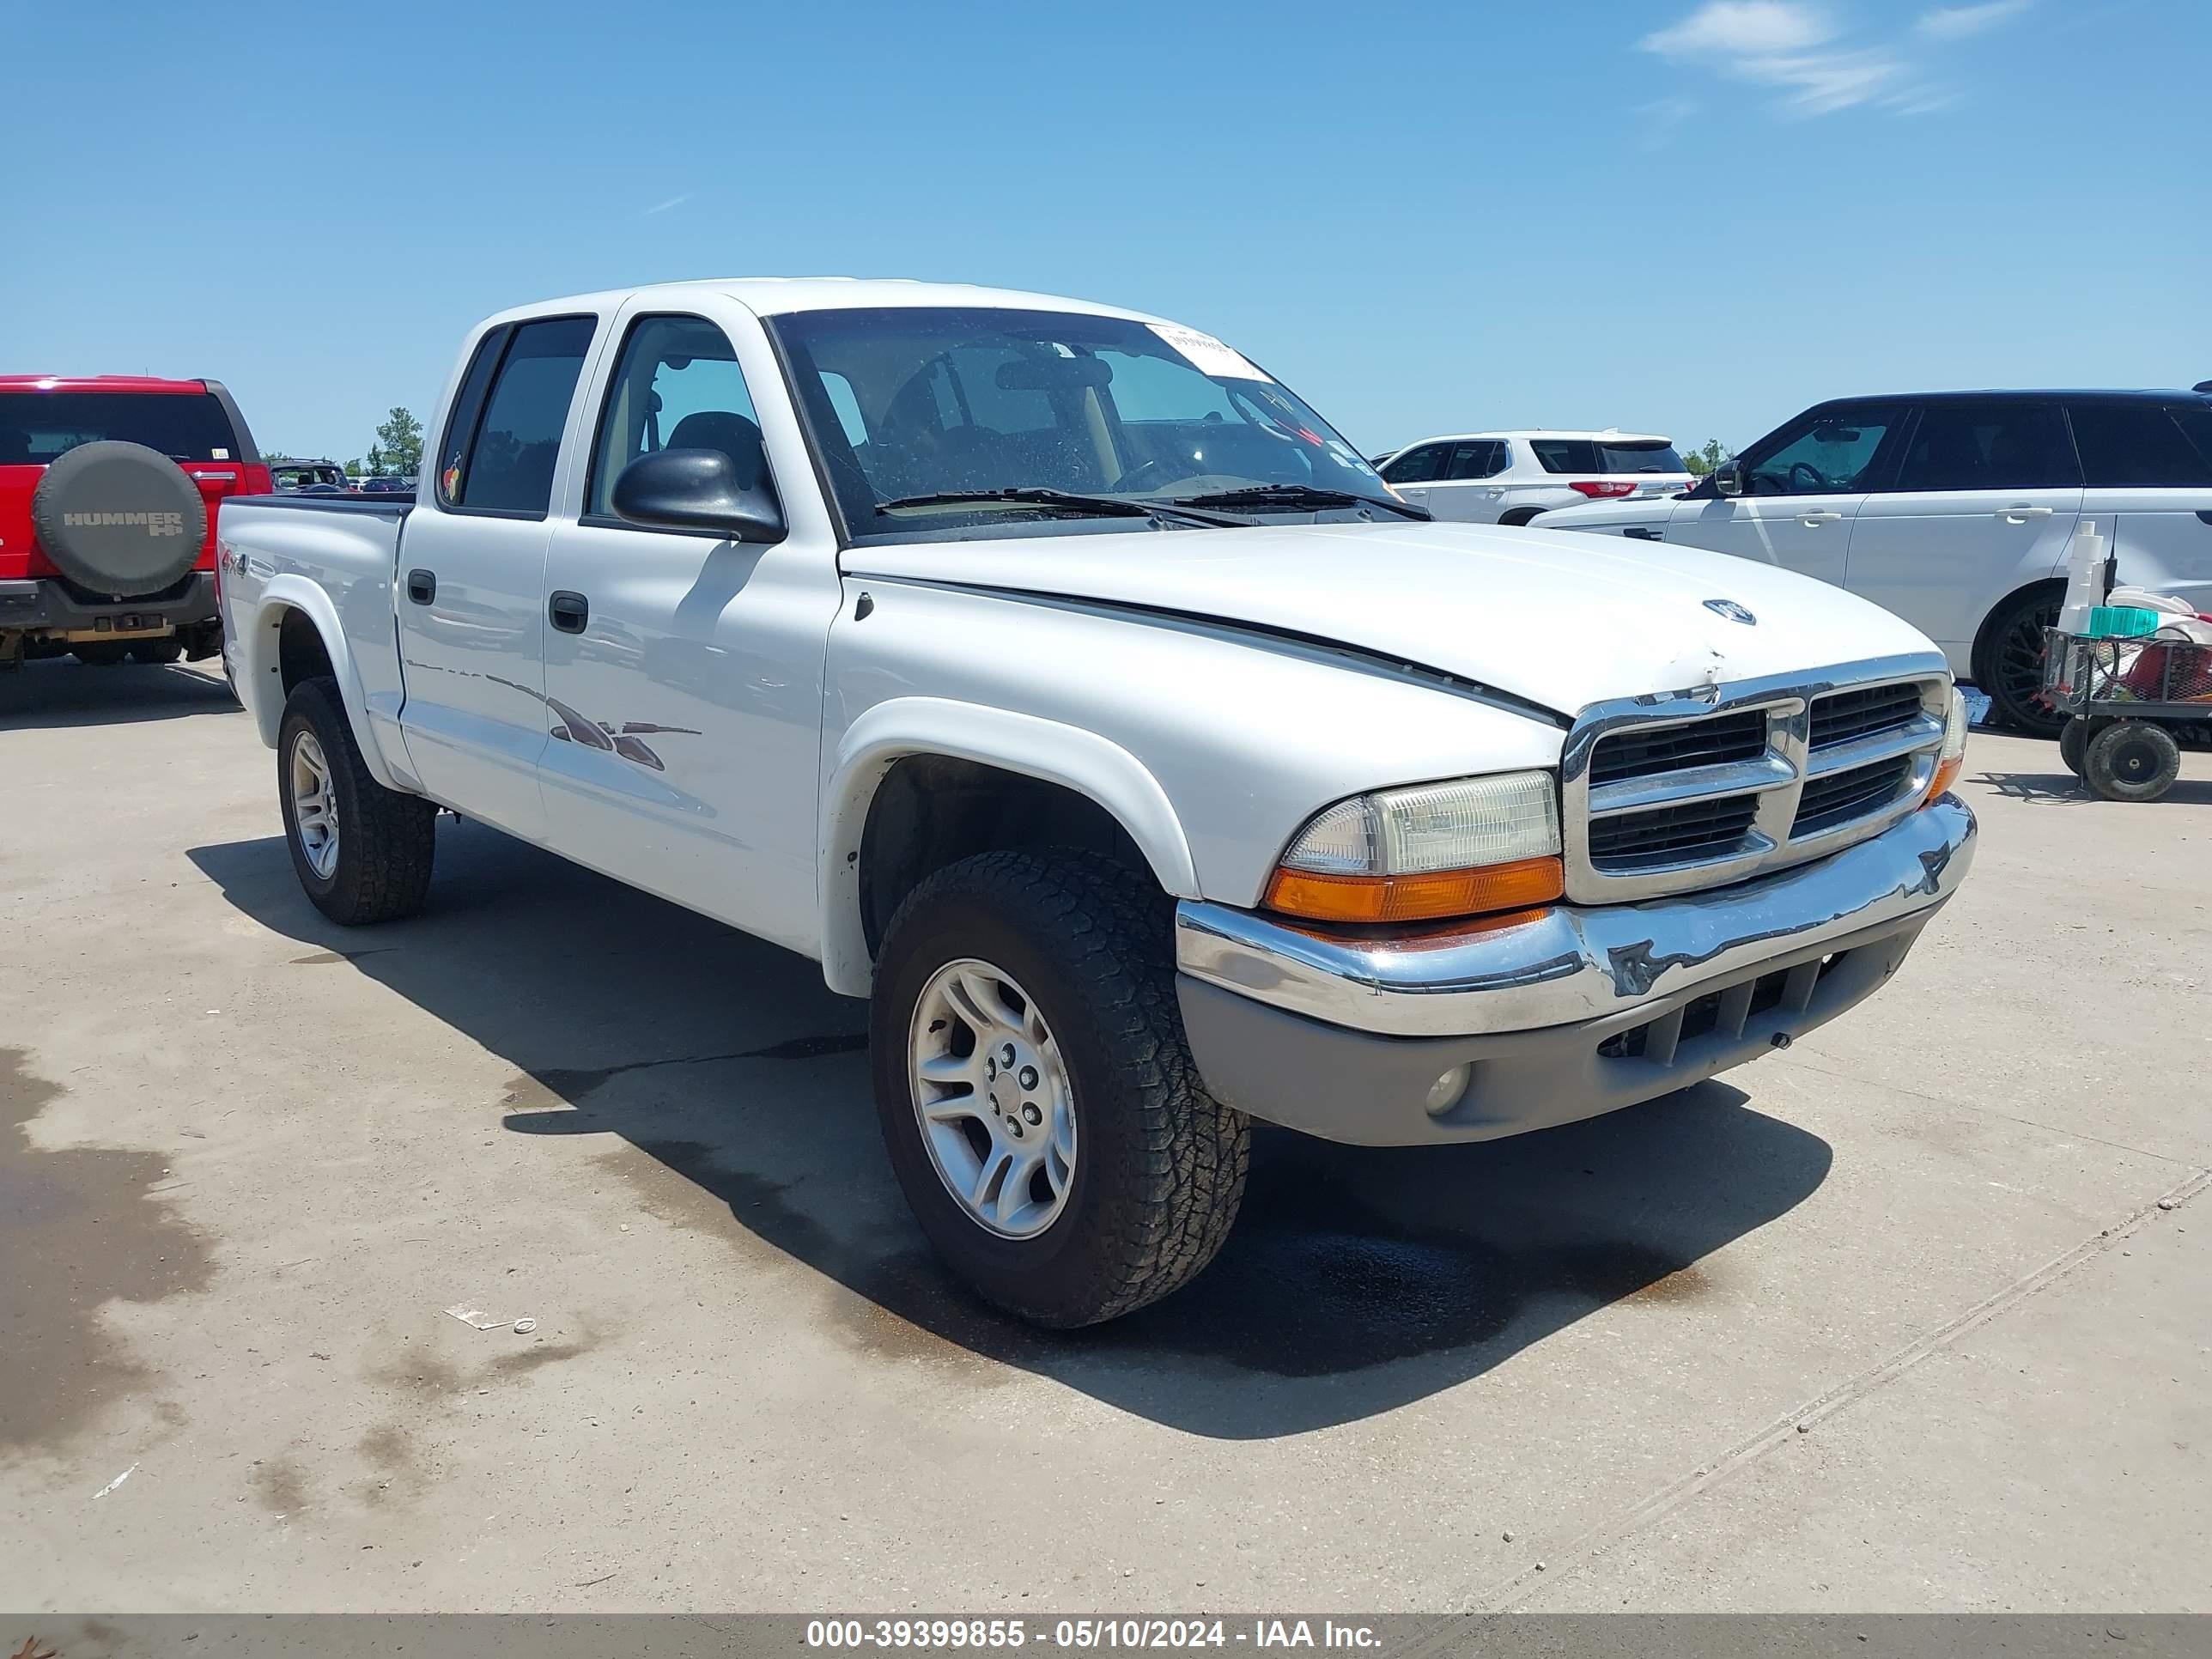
[[2129, 699]]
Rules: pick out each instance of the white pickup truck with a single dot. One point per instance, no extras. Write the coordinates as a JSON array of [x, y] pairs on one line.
[[1057, 678]]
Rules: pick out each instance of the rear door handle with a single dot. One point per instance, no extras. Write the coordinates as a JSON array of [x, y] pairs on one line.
[[422, 585], [569, 612], [2022, 513], [1818, 518]]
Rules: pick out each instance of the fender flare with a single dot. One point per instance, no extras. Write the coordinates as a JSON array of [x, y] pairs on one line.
[[292, 592], [1082, 761]]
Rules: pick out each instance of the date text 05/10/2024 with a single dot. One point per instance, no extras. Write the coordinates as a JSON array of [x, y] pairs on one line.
[[1085, 1633]]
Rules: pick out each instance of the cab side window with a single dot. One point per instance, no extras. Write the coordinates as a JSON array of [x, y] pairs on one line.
[[1483, 460], [1992, 446], [2143, 446], [505, 464], [677, 385], [1421, 465], [1831, 453]]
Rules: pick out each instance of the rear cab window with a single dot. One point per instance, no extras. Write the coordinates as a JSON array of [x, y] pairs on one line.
[[37, 429]]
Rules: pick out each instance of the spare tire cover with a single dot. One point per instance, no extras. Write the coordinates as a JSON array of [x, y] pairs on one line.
[[119, 518]]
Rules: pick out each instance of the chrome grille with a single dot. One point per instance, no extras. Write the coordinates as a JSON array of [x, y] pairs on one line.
[[1839, 797], [1668, 835], [1668, 749], [1669, 794], [1844, 715]]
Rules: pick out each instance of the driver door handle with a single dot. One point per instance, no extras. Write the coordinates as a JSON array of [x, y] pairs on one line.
[[2020, 513], [1822, 516], [568, 611]]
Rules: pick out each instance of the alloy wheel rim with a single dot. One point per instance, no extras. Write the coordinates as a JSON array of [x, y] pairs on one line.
[[314, 806], [992, 1098], [2020, 657]]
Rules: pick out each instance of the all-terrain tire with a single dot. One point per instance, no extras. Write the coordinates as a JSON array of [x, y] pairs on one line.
[[387, 840], [1161, 1164]]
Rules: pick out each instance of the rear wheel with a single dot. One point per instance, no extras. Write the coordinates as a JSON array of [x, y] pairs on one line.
[[1037, 1097], [100, 653], [2008, 661], [156, 651], [363, 852], [2132, 760]]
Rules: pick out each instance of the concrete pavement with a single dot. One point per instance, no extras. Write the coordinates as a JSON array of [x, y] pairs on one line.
[[248, 1159]]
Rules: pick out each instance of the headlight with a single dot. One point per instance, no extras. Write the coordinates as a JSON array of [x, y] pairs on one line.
[[1440, 849], [1952, 759]]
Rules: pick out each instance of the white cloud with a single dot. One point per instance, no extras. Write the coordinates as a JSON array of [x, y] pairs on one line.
[[663, 207], [1957, 23], [1822, 83], [1797, 48], [1744, 26], [1661, 116]]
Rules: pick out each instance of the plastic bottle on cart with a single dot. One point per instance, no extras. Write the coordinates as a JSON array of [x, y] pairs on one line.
[[2088, 578]]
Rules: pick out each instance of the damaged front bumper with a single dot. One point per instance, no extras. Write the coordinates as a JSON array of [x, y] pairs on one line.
[[1575, 1011]]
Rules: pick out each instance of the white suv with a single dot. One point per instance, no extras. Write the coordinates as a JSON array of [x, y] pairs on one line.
[[1953, 510], [1509, 478]]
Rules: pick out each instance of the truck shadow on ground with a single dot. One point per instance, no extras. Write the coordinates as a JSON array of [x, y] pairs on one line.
[[1356, 1280], [60, 692]]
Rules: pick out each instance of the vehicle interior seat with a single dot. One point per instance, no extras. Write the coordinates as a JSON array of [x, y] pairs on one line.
[[732, 435]]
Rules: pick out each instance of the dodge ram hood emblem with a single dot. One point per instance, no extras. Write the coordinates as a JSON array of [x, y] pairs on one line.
[[1732, 610]]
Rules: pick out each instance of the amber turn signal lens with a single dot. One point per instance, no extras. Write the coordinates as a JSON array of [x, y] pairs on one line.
[[1946, 774], [1431, 897]]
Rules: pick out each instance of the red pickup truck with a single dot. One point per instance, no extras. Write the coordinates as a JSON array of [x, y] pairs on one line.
[[109, 487]]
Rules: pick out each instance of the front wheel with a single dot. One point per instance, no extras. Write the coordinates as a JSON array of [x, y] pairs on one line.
[[1037, 1097], [363, 852]]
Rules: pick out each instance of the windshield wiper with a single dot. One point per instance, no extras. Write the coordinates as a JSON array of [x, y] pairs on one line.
[[1297, 496], [1059, 501]]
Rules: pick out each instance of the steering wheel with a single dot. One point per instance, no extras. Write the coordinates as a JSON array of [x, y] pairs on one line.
[[1145, 475], [1814, 484]]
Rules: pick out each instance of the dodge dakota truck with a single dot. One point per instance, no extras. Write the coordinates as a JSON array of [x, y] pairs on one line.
[[1057, 679]]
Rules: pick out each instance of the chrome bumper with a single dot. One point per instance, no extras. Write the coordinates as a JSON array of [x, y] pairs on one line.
[[1573, 964]]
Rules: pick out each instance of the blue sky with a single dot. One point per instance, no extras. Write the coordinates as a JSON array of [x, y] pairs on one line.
[[1695, 219]]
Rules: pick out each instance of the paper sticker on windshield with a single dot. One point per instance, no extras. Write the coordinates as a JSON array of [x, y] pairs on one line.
[[1205, 354]]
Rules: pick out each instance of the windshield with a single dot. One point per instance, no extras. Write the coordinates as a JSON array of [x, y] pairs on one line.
[[929, 402]]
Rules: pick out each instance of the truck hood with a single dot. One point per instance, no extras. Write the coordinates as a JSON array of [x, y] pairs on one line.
[[1558, 619]]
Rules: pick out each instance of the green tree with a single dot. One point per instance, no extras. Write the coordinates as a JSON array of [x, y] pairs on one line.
[[1702, 461], [398, 445], [353, 469]]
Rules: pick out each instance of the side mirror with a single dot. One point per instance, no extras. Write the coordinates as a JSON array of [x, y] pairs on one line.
[[1728, 478], [697, 490]]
